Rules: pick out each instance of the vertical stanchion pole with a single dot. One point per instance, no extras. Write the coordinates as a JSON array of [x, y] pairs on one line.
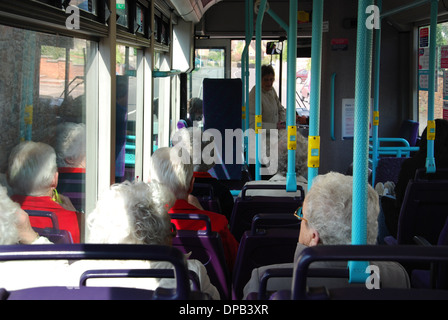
[[361, 139], [316, 63]]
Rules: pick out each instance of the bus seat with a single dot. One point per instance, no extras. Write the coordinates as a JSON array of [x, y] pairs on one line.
[[101, 252], [222, 110], [206, 196], [409, 131], [205, 246], [55, 235], [437, 276], [136, 273], [46, 214], [272, 239], [424, 208], [246, 207], [388, 169], [400, 254]]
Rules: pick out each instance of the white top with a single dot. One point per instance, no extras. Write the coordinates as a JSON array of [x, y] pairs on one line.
[[272, 110], [16, 275]]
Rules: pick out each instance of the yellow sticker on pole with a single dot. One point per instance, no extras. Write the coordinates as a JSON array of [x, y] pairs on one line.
[[376, 118], [431, 130], [258, 123], [313, 151], [28, 115], [292, 141], [243, 115]]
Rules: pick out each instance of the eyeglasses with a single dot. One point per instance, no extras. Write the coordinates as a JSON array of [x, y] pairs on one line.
[[299, 214]]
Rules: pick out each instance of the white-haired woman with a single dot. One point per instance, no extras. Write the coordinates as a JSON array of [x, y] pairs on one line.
[[15, 228], [173, 168], [32, 174], [70, 147], [326, 218], [15, 225], [201, 145], [136, 213]]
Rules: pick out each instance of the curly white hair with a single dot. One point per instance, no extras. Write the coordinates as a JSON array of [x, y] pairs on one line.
[[132, 213], [8, 219], [329, 209]]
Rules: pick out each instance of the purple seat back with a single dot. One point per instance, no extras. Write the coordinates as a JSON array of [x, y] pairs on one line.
[[272, 239], [206, 196], [424, 209], [388, 169], [205, 246], [46, 214], [409, 131], [246, 207], [54, 234], [100, 252], [397, 253], [437, 277]]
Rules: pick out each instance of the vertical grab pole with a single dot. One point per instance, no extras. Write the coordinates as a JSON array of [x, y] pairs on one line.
[[431, 126], [258, 119], [333, 80], [361, 139], [291, 181], [245, 74], [376, 96], [316, 63]]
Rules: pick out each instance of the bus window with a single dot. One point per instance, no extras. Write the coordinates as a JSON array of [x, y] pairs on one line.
[[208, 63], [126, 69], [423, 66], [303, 66], [42, 94]]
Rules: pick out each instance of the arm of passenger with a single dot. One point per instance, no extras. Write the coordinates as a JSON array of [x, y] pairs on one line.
[[26, 233], [204, 280]]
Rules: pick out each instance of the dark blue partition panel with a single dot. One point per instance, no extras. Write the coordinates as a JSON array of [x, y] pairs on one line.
[[222, 110]]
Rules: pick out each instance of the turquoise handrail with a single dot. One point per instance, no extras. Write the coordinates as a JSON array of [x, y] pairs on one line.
[[360, 139], [333, 80], [245, 72], [260, 15], [376, 96], [430, 161], [377, 53], [291, 181], [316, 63], [291, 30]]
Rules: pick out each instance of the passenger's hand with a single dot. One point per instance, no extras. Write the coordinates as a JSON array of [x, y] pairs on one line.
[[26, 233], [194, 201]]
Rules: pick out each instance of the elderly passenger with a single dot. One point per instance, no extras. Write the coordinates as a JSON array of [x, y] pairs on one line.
[[136, 213], [15, 228], [194, 140], [70, 147], [174, 169], [327, 220], [32, 174], [15, 224]]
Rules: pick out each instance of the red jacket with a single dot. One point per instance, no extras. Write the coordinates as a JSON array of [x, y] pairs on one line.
[[219, 224], [67, 219]]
